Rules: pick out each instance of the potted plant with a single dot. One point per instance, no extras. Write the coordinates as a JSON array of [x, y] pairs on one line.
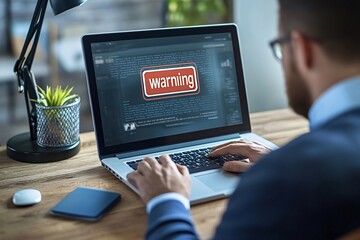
[[58, 119]]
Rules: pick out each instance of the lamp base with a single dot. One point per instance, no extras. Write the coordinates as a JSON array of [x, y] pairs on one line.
[[22, 148]]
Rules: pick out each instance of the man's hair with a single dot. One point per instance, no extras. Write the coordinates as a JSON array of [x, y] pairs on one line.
[[334, 24]]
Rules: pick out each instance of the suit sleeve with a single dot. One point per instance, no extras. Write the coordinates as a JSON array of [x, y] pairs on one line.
[[283, 196], [257, 208], [170, 220]]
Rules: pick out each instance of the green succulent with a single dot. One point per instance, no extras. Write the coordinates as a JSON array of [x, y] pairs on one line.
[[54, 96]]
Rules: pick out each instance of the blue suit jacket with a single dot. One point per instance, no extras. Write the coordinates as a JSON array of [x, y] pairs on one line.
[[308, 189]]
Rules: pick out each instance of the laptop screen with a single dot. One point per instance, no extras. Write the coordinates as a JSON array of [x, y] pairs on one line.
[[164, 85]]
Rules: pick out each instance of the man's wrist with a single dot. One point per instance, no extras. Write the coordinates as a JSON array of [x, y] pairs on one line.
[[166, 197]]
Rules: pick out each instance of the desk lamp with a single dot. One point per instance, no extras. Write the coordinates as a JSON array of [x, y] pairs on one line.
[[23, 147]]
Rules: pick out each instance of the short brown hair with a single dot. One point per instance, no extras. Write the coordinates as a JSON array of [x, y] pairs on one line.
[[334, 24]]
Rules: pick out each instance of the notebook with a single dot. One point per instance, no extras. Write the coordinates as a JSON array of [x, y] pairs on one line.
[[177, 91]]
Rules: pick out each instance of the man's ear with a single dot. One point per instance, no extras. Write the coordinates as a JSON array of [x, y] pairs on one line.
[[302, 51]]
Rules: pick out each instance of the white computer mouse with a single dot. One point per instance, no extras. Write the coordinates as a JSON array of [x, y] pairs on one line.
[[26, 197]]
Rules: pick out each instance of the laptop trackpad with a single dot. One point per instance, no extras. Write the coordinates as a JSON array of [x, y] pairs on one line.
[[219, 181]]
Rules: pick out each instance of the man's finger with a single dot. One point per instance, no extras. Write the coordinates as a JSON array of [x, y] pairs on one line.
[[222, 145], [183, 170], [152, 162], [144, 167], [236, 166], [134, 177], [228, 143], [237, 149], [260, 144], [218, 152], [165, 161]]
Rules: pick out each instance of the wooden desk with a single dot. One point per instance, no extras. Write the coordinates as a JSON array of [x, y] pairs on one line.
[[128, 219]]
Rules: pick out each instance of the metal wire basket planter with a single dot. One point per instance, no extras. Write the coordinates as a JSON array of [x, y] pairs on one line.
[[58, 126]]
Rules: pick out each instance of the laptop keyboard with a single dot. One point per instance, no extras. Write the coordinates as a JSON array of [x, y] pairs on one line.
[[196, 160]]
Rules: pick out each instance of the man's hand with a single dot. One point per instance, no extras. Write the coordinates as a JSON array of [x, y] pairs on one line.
[[252, 150], [153, 178]]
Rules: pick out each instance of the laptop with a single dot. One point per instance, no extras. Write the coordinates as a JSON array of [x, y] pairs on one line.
[[177, 91]]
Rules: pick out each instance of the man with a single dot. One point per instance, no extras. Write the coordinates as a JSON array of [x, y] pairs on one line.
[[310, 188]]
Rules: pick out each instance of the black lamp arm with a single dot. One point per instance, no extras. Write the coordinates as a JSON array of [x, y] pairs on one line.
[[22, 68]]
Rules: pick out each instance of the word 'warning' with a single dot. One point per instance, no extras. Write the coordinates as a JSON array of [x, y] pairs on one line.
[[169, 81]]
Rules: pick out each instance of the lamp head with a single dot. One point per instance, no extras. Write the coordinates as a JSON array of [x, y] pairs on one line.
[[60, 6]]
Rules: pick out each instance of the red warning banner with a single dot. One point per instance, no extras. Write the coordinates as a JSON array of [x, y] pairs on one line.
[[169, 81]]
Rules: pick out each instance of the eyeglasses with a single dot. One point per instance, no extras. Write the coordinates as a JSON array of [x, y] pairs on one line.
[[276, 45]]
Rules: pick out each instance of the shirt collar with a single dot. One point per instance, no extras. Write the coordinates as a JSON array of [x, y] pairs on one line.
[[340, 98]]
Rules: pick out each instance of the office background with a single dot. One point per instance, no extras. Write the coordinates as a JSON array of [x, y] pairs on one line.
[[59, 58]]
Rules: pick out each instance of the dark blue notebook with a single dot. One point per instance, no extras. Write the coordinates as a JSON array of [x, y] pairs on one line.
[[86, 203]]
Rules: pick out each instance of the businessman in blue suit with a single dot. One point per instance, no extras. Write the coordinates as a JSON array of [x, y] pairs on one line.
[[308, 189]]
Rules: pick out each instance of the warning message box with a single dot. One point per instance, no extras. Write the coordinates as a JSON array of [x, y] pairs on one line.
[[169, 81]]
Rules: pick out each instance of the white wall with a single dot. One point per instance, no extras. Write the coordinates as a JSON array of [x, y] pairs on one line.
[[257, 22]]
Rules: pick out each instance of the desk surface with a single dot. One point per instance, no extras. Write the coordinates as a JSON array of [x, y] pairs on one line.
[[127, 220]]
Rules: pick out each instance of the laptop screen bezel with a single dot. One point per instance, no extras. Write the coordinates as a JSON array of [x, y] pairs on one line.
[[88, 40]]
